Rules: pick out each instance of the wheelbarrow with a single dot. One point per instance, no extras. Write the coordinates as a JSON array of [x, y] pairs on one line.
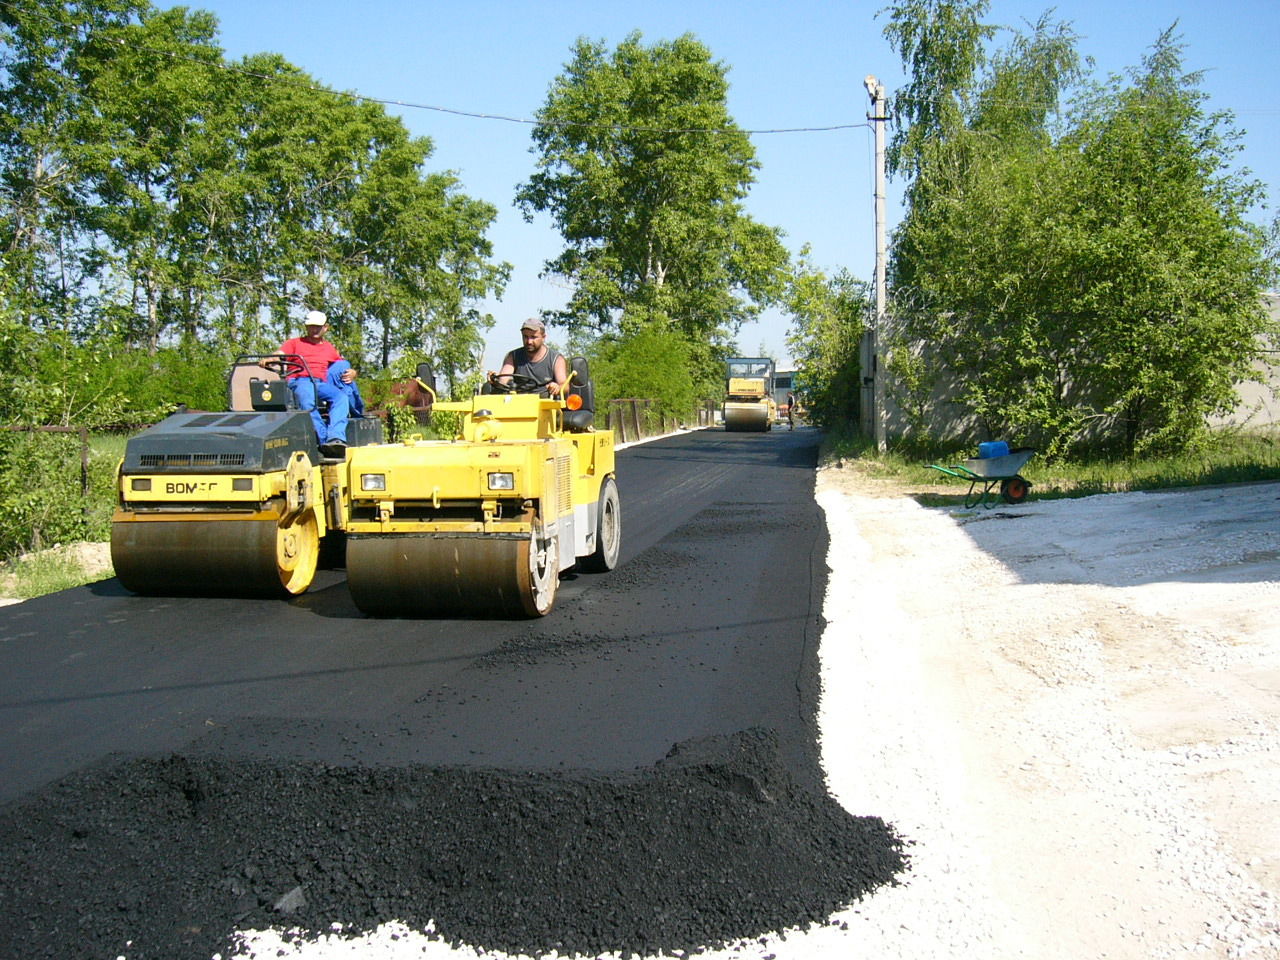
[[986, 473]]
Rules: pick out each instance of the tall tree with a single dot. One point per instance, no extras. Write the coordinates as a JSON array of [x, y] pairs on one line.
[[154, 195], [829, 315], [644, 172], [42, 190], [146, 85], [1091, 279]]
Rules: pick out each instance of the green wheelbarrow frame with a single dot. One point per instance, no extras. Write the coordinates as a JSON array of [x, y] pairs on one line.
[[989, 472]]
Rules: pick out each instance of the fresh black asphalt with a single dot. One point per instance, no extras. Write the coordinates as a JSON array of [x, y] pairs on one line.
[[635, 772]]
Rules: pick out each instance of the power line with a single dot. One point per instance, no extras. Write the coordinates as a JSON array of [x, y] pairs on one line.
[[452, 111]]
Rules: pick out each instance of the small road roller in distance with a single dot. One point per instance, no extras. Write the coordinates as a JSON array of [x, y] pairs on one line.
[[483, 524], [748, 401]]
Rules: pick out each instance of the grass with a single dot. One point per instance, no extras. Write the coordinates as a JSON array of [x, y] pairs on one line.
[[44, 571], [51, 570], [1233, 457]]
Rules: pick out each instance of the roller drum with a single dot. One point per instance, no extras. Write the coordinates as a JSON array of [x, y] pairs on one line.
[[220, 557], [443, 574], [753, 417]]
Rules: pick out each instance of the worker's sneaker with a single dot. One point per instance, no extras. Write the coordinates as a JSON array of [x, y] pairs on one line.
[[334, 449]]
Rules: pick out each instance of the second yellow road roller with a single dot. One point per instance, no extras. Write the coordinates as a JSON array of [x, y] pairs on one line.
[[231, 502], [483, 524]]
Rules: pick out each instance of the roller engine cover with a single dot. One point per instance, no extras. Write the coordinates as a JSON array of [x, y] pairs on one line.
[[247, 442]]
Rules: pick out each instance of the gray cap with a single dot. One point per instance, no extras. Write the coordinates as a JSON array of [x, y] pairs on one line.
[[533, 323]]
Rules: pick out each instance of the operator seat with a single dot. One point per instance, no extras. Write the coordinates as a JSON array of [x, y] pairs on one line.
[[580, 385]]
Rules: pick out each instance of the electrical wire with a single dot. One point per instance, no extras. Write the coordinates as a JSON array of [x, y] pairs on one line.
[[474, 115]]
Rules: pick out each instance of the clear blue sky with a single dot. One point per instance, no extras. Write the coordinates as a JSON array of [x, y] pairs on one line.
[[791, 64]]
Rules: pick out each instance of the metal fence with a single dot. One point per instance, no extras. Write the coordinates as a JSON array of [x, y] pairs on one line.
[[633, 419]]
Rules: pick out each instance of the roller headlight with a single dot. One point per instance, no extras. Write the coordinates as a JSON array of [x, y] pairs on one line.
[[502, 481], [373, 481]]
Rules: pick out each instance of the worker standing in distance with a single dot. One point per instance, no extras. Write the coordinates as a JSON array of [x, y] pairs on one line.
[[332, 379], [535, 360]]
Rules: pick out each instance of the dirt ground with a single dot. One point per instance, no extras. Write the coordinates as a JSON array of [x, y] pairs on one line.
[[1072, 707], [93, 558]]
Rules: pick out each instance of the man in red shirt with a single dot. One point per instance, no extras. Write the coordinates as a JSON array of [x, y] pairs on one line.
[[331, 379]]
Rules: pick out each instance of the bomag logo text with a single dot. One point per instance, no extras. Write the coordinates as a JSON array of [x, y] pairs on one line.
[[277, 442], [190, 486]]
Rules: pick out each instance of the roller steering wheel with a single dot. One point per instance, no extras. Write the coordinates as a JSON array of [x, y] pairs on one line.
[[519, 383], [286, 366]]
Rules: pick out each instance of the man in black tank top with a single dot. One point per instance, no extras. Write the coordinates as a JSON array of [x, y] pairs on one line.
[[535, 360]]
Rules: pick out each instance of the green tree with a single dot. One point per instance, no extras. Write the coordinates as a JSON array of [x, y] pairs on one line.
[[828, 320], [147, 85], [1080, 280], [652, 362], [644, 173], [1172, 319], [154, 196], [43, 220]]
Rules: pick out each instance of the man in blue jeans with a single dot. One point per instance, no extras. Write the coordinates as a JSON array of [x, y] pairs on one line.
[[332, 379]]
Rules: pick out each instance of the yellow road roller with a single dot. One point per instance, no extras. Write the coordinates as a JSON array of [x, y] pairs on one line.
[[748, 402], [483, 524], [230, 503]]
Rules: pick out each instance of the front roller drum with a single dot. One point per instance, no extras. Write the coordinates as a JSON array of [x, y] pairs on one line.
[[459, 575], [257, 557], [747, 418]]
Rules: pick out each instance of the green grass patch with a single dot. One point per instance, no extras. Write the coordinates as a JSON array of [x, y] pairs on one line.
[[58, 568], [1226, 457]]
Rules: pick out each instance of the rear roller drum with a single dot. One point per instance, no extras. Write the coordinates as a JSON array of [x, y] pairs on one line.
[[743, 418], [441, 574]]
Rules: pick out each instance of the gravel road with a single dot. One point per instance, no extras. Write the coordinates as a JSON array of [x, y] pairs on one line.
[[1070, 709]]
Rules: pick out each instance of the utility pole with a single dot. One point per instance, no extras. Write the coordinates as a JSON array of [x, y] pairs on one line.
[[873, 418]]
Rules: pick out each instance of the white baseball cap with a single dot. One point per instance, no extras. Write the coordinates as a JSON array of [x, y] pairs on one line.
[[316, 319]]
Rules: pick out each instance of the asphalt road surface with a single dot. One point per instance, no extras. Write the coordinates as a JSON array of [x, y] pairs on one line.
[[701, 629], [705, 635]]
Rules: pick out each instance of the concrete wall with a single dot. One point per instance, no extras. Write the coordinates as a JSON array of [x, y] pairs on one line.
[[1259, 404]]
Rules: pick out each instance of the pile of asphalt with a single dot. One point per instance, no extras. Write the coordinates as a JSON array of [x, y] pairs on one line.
[[166, 857]]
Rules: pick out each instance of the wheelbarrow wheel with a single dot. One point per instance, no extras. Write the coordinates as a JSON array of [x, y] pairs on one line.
[[1014, 490]]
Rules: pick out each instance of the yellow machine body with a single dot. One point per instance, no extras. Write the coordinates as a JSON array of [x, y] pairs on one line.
[[251, 534], [230, 502], [483, 524], [479, 525], [749, 403]]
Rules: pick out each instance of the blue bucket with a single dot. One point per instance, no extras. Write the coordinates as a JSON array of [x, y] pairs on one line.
[[992, 448]]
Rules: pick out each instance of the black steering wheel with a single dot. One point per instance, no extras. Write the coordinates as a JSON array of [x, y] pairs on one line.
[[519, 383], [286, 366]]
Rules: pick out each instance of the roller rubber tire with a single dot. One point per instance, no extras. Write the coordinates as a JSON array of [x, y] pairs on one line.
[[608, 531]]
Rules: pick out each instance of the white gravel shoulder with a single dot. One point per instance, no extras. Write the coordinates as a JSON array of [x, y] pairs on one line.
[[1071, 709]]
